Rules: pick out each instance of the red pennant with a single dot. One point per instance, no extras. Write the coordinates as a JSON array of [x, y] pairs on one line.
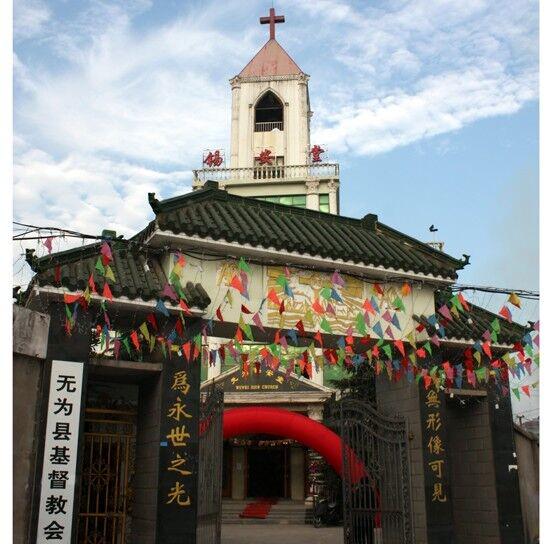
[[245, 310], [134, 338], [463, 302], [300, 327], [57, 276], [272, 296], [184, 307], [282, 307], [487, 349], [525, 389], [237, 283], [219, 314], [107, 291], [151, 319], [316, 306], [319, 338], [505, 312], [369, 307], [179, 328], [239, 335], [187, 350], [378, 289], [91, 283], [399, 345], [70, 299]]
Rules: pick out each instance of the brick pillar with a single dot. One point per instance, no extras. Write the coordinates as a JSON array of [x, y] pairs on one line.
[[403, 398]]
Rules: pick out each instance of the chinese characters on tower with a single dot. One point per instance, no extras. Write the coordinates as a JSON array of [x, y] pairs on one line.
[[60, 453]]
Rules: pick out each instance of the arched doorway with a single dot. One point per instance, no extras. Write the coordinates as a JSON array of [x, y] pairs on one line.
[[268, 113]]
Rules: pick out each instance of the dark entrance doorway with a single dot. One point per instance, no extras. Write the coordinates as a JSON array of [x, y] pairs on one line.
[[267, 469]]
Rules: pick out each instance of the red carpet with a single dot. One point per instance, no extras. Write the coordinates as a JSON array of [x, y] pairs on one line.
[[258, 509]]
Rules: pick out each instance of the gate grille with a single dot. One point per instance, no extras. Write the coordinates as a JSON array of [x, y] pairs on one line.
[[210, 467], [108, 459], [376, 476]]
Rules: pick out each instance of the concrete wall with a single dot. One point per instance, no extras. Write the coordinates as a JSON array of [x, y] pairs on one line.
[[527, 451], [472, 473], [403, 398], [293, 143], [30, 340], [145, 484]]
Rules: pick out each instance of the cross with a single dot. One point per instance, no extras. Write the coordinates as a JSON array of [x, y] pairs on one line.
[[272, 20]]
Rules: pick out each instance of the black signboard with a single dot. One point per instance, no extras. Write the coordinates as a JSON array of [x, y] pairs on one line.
[[262, 380], [179, 448], [439, 512]]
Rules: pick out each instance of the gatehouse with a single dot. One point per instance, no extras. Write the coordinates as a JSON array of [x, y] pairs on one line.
[[251, 352]]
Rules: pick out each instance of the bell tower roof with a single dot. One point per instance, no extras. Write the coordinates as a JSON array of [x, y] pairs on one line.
[[271, 60]]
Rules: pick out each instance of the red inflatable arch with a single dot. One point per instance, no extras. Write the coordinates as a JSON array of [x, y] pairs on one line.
[[280, 422]]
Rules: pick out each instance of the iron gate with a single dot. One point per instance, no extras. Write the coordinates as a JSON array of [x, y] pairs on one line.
[[376, 476], [210, 467]]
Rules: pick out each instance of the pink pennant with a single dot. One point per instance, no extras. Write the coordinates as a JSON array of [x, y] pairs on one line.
[[389, 332], [386, 316], [444, 311], [106, 252], [337, 279], [257, 321], [48, 244], [169, 292]]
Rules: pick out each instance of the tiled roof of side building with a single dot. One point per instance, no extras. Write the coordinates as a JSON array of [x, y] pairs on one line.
[[132, 278], [217, 214], [472, 324]]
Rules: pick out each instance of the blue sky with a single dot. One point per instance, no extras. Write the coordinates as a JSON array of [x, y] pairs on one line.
[[430, 107]]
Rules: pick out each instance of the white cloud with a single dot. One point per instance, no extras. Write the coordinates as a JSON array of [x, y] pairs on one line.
[[29, 18]]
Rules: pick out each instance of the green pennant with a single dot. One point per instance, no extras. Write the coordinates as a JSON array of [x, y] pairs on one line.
[[325, 325], [152, 342], [281, 280], [495, 325], [477, 357], [398, 304], [247, 331], [99, 266], [387, 350], [427, 346], [326, 293], [109, 273], [360, 324], [529, 350], [481, 374], [515, 390], [418, 377], [494, 336], [243, 265], [126, 344], [68, 313], [433, 371], [163, 349]]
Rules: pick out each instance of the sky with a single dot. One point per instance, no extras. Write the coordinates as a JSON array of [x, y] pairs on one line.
[[431, 108]]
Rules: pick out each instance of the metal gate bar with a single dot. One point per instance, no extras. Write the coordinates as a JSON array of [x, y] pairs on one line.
[[376, 505], [210, 467], [109, 438]]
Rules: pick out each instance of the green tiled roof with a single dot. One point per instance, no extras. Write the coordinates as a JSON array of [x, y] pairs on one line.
[[133, 280], [471, 325], [215, 213]]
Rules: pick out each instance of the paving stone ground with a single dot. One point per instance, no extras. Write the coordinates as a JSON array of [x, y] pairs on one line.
[[281, 534]]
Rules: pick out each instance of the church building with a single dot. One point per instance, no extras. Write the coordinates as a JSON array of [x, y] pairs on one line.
[[236, 310]]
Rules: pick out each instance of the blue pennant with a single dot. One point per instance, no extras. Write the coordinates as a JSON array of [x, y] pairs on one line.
[[335, 295], [161, 308], [341, 342], [378, 330], [395, 322], [293, 335]]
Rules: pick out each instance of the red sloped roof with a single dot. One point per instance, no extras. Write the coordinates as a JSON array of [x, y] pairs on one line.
[[271, 60]]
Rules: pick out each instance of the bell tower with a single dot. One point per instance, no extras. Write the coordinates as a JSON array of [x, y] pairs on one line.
[[271, 153]]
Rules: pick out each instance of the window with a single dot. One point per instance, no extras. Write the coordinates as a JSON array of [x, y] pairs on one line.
[[268, 113], [298, 201]]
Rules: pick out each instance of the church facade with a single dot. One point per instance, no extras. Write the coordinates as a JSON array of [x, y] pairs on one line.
[[255, 285]]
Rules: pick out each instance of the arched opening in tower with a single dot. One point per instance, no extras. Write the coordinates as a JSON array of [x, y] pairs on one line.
[[268, 113]]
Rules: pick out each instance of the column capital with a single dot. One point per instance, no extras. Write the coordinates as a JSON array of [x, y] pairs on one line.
[[312, 187]]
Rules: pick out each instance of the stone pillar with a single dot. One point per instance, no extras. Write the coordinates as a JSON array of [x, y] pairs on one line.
[[297, 473], [334, 207], [235, 109], [312, 192], [237, 481]]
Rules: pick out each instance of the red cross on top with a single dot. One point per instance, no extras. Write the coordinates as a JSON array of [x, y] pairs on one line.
[[272, 20]]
